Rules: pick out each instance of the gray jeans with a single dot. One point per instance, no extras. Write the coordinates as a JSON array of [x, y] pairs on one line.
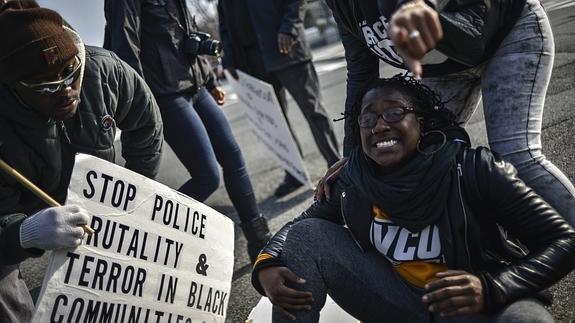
[[513, 84], [365, 284]]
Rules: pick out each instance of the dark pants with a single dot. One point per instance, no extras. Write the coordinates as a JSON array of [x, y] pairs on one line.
[[15, 301], [257, 69], [365, 284], [302, 82], [200, 135]]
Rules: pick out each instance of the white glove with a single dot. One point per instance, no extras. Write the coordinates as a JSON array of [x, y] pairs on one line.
[[54, 228]]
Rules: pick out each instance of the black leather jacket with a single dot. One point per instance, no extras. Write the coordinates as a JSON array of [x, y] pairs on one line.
[[490, 205], [113, 97]]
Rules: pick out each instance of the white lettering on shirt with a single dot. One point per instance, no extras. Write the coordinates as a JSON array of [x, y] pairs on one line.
[[379, 41], [400, 245]]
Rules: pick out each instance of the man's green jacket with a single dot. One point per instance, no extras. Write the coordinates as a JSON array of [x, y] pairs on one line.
[[112, 96]]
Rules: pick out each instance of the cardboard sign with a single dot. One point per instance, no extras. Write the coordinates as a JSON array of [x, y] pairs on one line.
[[268, 122], [157, 255]]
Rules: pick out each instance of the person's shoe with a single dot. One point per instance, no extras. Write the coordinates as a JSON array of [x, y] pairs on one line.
[[289, 185], [258, 234]]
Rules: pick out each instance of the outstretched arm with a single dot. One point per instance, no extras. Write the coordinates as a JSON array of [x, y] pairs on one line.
[[362, 68]]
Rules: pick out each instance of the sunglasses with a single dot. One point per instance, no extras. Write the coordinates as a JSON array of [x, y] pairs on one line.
[[391, 115], [71, 73]]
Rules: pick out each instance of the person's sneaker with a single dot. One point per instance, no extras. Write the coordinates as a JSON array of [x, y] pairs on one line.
[[288, 185]]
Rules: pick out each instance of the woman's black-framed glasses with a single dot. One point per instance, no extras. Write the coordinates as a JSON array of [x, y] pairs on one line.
[[55, 86], [390, 115]]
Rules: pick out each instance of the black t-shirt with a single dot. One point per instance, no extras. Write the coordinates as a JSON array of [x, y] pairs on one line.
[[373, 26]]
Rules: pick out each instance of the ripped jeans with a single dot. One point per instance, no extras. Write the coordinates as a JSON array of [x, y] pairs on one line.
[[513, 83]]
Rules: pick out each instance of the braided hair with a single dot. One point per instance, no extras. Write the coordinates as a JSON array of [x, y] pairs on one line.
[[427, 104]]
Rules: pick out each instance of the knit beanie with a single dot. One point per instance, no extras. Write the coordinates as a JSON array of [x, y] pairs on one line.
[[33, 39]]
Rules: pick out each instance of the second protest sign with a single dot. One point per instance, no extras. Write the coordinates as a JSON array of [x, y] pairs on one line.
[[269, 124]]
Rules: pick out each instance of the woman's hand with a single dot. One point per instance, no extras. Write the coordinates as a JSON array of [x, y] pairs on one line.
[[415, 29], [455, 292], [331, 174], [273, 281], [219, 95]]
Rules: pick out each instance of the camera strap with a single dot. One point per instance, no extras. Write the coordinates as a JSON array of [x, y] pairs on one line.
[[187, 18], [189, 31]]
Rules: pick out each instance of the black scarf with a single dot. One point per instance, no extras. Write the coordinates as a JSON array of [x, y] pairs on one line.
[[415, 195]]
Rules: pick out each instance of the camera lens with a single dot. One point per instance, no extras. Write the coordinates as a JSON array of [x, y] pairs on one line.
[[216, 47], [210, 47]]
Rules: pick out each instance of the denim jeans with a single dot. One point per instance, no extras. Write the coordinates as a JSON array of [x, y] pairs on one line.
[[365, 284], [200, 135], [513, 83]]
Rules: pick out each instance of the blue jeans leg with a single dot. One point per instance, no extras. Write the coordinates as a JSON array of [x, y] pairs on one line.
[[200, 135], [302, 83]]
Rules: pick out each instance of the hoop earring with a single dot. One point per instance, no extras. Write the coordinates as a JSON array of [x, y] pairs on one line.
[[372, 132], [423, 138]]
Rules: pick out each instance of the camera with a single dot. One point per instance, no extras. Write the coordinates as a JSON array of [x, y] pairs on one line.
[[199, 43]]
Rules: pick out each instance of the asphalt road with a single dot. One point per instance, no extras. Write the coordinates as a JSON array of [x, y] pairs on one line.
[[558, 145]]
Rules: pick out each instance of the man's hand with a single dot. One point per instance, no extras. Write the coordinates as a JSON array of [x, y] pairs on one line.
[[415, 29], [323, 186], [285, 43], [219, 95], [273, 281], [455, 292], [54, 228]]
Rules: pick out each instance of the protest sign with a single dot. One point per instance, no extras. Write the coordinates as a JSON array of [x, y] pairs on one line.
[[330, 313], [265, 115], [156, 256]]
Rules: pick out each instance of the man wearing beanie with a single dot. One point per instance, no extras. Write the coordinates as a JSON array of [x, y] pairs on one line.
[[58, 98]]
